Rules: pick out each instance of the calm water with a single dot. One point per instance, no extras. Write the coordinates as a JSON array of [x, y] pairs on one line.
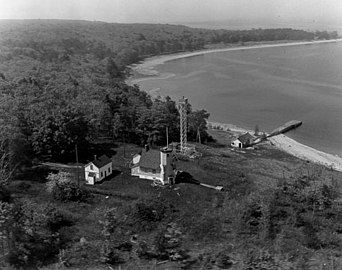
[[267, 87]]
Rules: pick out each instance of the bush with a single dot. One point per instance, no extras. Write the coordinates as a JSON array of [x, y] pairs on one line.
[[110, 254], [307, 205], [56, 179], [5, 195], [148, 213], [79, 255], [168, 244], [144, 251], [57, 220], [34, 234], [69, 191], [207, 226], [260, 260]]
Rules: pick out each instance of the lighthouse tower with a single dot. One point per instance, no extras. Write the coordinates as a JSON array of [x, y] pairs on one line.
[[166, 165]]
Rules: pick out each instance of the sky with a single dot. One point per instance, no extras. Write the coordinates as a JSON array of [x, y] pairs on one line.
[[175, 11]]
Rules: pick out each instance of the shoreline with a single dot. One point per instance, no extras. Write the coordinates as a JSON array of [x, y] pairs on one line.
[[146, 66], [281, 142], [292, 147]]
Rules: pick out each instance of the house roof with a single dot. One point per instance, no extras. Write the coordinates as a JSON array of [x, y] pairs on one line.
[[246, 138], [101, 161], [150, 159]]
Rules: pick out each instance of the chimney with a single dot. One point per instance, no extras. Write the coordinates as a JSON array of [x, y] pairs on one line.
[[147, 147], [95, 157]]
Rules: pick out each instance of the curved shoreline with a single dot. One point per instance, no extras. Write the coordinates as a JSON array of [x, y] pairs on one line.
[[281, 141], [305, 152], [293, 148], [146, 67]]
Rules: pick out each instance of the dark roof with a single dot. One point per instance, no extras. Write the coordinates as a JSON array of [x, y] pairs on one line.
[[101, 161], [150, 159], [246, 138]]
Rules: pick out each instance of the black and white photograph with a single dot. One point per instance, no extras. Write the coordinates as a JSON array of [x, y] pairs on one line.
[[171, 134]]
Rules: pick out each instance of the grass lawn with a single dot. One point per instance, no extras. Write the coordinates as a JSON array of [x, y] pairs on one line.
[[207, 218]]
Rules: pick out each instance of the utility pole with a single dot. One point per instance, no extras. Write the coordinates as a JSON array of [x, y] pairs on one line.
[[124, 150], [199, 135], [167, 136], [78, 177]]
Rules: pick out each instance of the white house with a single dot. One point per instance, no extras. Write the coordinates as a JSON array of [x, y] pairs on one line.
[[244, 140], [154, 165], [98, 169]]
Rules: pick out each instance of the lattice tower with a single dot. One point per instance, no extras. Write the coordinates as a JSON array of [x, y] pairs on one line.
[[182, 108]]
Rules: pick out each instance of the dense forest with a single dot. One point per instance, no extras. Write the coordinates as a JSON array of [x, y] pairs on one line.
[[62, 85], [62, 81]]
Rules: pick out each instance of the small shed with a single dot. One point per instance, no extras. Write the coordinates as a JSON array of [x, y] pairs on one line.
[[243, 141], [98, 169]]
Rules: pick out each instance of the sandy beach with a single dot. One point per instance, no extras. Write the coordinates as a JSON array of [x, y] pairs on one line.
[[146, 67], [305, 152], [292, 147], [282, 142]]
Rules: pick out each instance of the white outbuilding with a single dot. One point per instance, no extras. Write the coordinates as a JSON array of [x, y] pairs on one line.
[[243, 141], [98, 169]]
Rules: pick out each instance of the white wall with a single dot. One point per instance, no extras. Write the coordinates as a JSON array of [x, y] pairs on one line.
[[105, 169], [236, 143], [136, 159], [87, 170], [97, 171], [146, 175]]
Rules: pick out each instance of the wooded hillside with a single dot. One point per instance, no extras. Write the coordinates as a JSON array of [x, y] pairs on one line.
[[62, 85]]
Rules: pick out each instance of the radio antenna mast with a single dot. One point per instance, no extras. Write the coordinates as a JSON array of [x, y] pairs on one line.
[[182, 108]]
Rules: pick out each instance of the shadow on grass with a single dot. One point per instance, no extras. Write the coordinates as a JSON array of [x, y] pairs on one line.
[[114, 174]]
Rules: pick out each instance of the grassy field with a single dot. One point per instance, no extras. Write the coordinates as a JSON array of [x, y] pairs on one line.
[[210, 221]]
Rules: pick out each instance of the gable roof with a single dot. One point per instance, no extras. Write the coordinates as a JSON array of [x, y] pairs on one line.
[[246, 138], [101, 161], [150, 159]]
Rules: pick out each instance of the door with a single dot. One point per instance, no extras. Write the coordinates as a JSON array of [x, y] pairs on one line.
[[91, 180]]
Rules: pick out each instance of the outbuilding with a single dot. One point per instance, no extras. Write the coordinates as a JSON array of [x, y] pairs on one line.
[[98, 169], [243, 141]]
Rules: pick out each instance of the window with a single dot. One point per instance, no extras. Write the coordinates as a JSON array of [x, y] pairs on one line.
[[91, 167], [101, 174], [108, 170]]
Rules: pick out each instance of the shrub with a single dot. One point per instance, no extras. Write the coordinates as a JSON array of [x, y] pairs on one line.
[[57, 220], [56, 179], [110, 254], [148, 213], [68, 191], [260, 260], [309, 206], [34, 234], [144, 251], [5, 195], [207, 226], [168, 243], [80, 255]]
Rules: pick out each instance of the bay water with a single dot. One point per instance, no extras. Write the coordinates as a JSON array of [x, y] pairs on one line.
[[265, 87]]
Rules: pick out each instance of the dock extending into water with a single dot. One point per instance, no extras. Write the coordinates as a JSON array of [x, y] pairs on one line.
[[285, 128]]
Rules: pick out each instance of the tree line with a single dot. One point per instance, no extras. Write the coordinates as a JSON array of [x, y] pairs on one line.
[[62, 83]]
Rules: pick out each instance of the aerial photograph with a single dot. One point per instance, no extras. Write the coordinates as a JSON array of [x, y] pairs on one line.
[[171, 134]]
